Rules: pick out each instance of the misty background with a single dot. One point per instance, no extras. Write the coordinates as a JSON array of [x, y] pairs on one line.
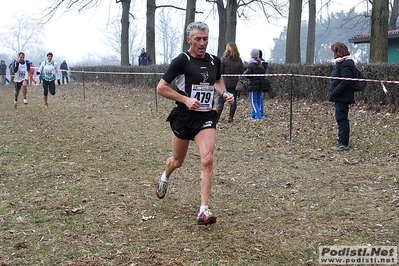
[[92, 36]]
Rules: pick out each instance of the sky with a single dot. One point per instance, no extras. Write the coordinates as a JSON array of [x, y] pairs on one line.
[[75, 35]]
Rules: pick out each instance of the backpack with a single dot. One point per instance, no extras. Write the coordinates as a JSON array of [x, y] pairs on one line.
[[359, 85]]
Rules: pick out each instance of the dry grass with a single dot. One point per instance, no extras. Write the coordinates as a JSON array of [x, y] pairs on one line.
[[77, 183]]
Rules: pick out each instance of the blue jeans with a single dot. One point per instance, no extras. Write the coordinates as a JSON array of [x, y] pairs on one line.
[[65, 76], [341, 116]]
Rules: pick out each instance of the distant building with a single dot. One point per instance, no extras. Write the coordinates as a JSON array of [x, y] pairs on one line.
[[393, 43]]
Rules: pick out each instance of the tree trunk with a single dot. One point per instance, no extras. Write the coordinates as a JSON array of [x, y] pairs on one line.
[[231, 14], [379, 31], [125, 33], [310, 46], [227, 23], [190, 17], [222, 27], [293, 46], [394, 15], [150, 30]]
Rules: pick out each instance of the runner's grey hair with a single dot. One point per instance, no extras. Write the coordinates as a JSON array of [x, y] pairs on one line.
[[196, 25]]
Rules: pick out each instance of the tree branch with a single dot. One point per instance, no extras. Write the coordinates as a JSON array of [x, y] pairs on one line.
[[178, 8]]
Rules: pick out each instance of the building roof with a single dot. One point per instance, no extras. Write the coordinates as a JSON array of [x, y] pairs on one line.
[[365, 37]]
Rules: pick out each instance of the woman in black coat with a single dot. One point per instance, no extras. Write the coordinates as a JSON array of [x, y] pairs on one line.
[[231, 64], [341, 92]]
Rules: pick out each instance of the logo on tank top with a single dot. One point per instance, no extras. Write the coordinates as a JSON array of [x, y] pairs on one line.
[[205, 75]]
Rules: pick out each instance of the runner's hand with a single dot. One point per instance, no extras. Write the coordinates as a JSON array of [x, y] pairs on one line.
[[229, 98], [192, 103]]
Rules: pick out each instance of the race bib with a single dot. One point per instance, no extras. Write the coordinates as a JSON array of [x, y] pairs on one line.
[[22, 75], [48, 74], [204, 94]]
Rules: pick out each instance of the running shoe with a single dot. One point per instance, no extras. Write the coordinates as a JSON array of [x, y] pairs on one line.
[[340, 147], [25, 101], [161, 189], [15, 104], [206, 217]]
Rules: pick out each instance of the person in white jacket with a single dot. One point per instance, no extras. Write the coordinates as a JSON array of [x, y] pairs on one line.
[[48, 71]]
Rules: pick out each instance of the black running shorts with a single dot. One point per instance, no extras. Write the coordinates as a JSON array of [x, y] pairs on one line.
[[186, 124], [18, 85]]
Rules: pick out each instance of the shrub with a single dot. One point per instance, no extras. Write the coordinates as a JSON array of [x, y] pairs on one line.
[[306, 82]]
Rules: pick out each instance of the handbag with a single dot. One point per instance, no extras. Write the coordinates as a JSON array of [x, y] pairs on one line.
[[265, 85], [242, 84]]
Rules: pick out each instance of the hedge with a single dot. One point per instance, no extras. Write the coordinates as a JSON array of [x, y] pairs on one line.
[[311, 88]]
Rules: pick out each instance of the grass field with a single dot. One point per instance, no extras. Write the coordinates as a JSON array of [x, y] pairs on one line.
[[77, 183]]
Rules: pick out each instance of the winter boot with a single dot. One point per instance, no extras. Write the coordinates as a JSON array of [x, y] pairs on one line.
[[219, 110], [233, 109]]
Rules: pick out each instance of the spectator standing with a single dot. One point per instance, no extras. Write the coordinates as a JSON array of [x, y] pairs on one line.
[[254, 85], [265, 65], [197, 76], [11, 68], [64, 69], [341, 92], [48, 70], [32, 74], [3, 71], [231, 63], [144, 58]]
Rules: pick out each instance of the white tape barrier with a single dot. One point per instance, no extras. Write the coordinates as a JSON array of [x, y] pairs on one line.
[[266, 75]]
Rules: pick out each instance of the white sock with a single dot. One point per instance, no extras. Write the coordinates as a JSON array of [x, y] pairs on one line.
[[203, 208], [164, 178]]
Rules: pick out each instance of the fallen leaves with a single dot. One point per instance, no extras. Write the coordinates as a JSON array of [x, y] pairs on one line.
[[76, 210]]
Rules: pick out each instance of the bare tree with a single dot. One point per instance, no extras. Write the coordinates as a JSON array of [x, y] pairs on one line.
[[222, 12], [125, 31], [292, 50], [168, 36], [23, 35], [228, 15], [80, 5], [394, 15], [379, 31], [231, 19], [311, 40], [113, 37], [150, 29], [190, 17], [150, 26]]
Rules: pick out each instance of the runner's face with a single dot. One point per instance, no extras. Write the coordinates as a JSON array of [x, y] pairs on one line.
[[198, 43], [21, 58]]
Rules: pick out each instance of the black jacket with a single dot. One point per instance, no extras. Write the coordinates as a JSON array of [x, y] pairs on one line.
[[342, 90], [64, 66], [230, 66], [254, 81], [3, 69], [144, 59]]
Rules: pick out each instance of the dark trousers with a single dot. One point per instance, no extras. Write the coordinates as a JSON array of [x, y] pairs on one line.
[[65, 76], [48, 85], [341, 116]]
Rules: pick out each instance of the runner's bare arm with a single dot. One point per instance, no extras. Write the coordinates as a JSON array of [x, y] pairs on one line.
[[220, 87], [164, 90]]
